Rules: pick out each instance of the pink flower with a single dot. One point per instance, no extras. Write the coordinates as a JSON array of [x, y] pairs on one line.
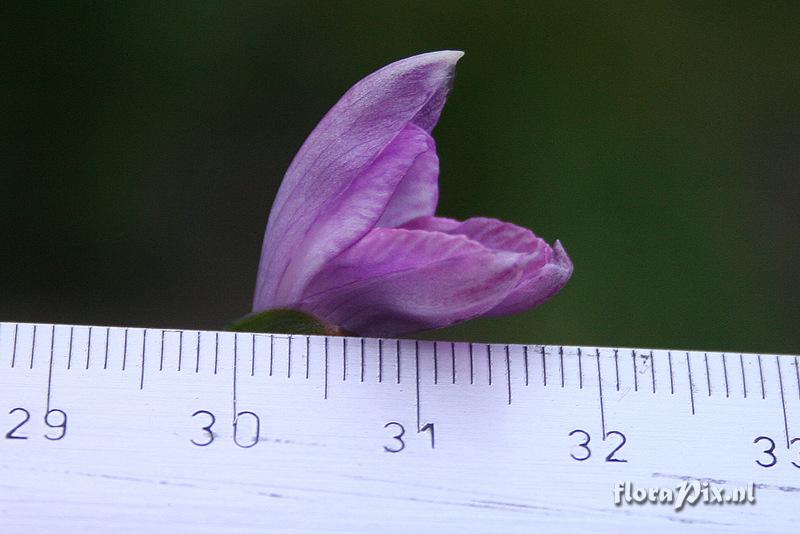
[[352, 237]]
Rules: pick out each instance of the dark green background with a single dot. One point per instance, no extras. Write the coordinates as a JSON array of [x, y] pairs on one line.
[[143, 143]]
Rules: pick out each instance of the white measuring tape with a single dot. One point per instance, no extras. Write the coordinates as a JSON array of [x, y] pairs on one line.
[[122, 429]]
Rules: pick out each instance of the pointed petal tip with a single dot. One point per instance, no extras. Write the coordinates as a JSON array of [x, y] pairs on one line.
[[440, 60], [451, 56], [445, 56], [561, 255]]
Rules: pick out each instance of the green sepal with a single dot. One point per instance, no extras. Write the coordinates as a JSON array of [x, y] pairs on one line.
[[283, 321]]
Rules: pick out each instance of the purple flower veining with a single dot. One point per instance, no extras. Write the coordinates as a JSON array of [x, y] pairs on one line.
[[352, 237]]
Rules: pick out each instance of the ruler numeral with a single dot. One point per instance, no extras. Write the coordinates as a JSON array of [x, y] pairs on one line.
[[584, 452], [241, 416], [26, 417], [429, 428], [770, 459], [239, 434], [769, 451], [61, 426], [59, 422], [610, 457], [401, 431], [206, 429], [398, 443]]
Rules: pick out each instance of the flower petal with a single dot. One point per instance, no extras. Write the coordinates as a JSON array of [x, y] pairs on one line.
[[538, 284], [547, 269], [347, 218], [417, 194], [396, 281], [344, 145]]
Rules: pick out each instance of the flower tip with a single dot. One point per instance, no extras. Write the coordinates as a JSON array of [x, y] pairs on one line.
[[452, 55], [561, 258], [449, 56], [440, 60]]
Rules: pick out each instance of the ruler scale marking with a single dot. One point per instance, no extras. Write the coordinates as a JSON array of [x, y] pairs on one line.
[[453, 360], [289, 358], [50, 367], [180, 350], [235, 364], [161, 352], [125, 349], [105, 358], [416, 366], [489, 361], [308, 357], [398, 360], [326, 369], [508, 374], [600, 390], [783, 402], [144, 349], [471, 366], [344, 359], [525, 355], [14, 346], [363, 363], [725, 373], [197, 353], [380, 360], [744, 380], [216, 352], [671, 374], [653, 371], [271, 352], [436, 364], [253, 355], [33, 346], [69, 350], [544, 367], [89, 348], [691, 382]]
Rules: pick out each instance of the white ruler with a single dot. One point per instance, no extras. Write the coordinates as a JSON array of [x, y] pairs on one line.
[[125, 429]]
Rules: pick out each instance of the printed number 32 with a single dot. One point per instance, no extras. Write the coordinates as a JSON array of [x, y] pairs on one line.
[[584, 452]]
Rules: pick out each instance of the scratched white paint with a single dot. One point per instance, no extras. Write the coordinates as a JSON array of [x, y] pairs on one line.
[[132, 457]]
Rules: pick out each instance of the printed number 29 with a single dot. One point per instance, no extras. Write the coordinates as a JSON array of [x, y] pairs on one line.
[[56, 419]]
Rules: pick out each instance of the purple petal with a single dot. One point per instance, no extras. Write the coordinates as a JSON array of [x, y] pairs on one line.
[[410, 156], [396, 281], [538, 283], [373, 122], [547, 269], [417, 194]]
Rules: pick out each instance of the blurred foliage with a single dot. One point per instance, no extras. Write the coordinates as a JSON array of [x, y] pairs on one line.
[[143, 143]]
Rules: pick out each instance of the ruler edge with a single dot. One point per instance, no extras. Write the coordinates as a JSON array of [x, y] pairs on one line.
[[280, 335]]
